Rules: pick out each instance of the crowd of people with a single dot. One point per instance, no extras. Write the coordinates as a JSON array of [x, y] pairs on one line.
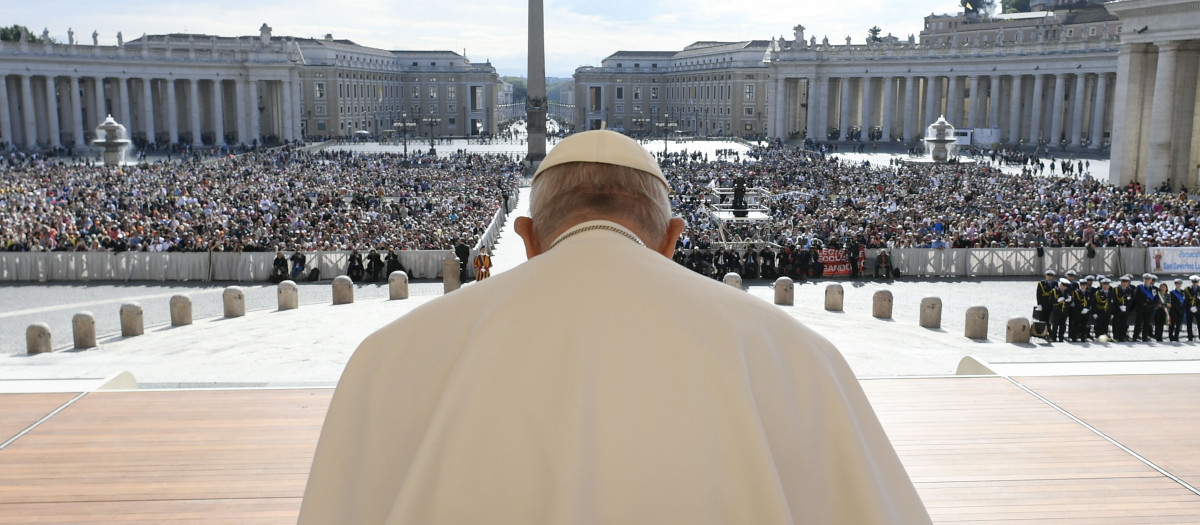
[[811, 199], [1077, 310], [268, 201]]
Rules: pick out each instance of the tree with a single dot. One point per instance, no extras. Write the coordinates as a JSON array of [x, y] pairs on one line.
[[13, 34], [519, 88], [873, 35], [1015, 6], [980, 7]]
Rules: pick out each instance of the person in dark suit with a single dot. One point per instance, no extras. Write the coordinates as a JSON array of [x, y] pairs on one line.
[[1176, 308], [393, 262], [374, 266], [1192, 315], [463, 253], [355, 270]]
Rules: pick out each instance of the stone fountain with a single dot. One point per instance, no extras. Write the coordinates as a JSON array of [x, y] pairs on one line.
[[111, 136], [939, 138]]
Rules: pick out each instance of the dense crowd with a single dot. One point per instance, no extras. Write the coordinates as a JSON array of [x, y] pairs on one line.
[[813, 199], [268, 201]]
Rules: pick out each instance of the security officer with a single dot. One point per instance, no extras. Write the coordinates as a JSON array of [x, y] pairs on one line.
[[1060, 311], [1104, 305], [1145, 302], [1177, 306], [1124, 302], [1192, 293], [1045, 296], [1081, 298]]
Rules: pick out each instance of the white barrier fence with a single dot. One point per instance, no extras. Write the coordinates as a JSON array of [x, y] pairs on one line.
[[427, 264]]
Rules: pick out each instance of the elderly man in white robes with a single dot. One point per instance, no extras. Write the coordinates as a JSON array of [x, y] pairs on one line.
[[600, 382]]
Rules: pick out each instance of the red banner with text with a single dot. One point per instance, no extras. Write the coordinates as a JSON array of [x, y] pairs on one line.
[[836, 263]]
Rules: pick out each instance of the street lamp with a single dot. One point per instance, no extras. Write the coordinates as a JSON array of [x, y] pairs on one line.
[[431, 122], [641, 123], [666, 126], [403, 126]]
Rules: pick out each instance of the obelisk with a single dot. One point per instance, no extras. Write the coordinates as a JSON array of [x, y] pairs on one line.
[[535, 98]]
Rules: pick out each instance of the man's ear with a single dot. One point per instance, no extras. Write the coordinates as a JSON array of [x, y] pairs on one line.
[[524, 228], [674, 228]]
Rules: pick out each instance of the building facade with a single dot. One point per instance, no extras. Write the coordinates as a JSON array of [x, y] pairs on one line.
[[707, 89], [1156, 132], [1041, 78], [209, 90]]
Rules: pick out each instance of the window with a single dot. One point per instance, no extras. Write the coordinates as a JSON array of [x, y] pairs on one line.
[[416, 92], [653, 92], [1091, 31], [620, 93], [433, 108], [320, 108], [637, 109], [451, 108], [414, 64], [451, 92], [620, 108], [594, 98], [749, 92], [341, 94], [321, 125], [432, 92], [451, 119], [749, 112], [476, 98], [637, 92]]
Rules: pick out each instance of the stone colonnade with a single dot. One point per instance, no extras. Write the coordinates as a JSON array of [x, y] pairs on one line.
[[52, 110], [1072, 108]]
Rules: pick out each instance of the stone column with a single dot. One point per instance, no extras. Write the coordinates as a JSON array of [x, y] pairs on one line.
[[5, 113], [1159, 163], [910, 108], [255, 116], [172, 108], [1035, 126], [218, 100], [1057, 117], [814, 110], [76, 112], [1098, 111], [931, 101], [536, 88], [1077, 112], [148, 108], [27, 120], [889, 107], [98, 109], [194, 110], [954, 101], [844, 106], [993, 102], [866, 118], [52, 110], [779, 114], [973, 120], [1014, 111], [239, 102], [123, 103], [1124, 164], [287, 110]]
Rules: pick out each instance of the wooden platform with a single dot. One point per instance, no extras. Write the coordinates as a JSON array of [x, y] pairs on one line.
[[1087, 450]]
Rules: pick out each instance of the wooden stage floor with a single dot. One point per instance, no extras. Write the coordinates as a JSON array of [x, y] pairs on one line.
[[1045, 450]]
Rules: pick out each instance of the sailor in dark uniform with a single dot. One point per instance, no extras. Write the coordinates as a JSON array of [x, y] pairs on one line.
[[1124, 312], [1145, 302], [1104, 303], [1045, 296], [1176, 308], [1060, 310], [1192, 293]]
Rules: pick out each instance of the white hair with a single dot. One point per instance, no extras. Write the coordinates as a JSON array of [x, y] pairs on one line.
[[575, 192]]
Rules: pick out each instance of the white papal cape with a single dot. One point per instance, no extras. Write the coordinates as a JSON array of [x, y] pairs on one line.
[[600, 382]]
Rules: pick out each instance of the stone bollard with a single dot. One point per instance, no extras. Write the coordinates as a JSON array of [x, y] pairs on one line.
[[131, 320], [398, 285], [733, 279], [785, 291], [37, 339], [881, 305], [450, 277], [83, 325], [833, 297], [235, 301], [1017, 330], [181, 310], [931, 312], [288, 295], [977, 323], [343, 290]]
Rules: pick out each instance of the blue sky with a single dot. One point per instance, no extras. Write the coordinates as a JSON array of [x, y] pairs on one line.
[[578, 32]]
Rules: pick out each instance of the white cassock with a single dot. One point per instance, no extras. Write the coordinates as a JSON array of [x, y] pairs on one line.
[[600, 382]]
